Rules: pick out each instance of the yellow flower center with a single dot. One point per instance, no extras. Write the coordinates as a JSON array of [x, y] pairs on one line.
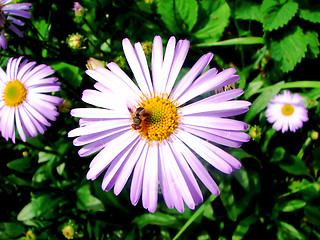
[[14, 93], [159, 118], [287, 109]]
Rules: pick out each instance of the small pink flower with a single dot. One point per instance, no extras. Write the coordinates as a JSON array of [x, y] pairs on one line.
[[287, 112]]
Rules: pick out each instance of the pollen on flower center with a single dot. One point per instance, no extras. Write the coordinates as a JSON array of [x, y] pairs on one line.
[[160, 118], [14, 93], [287, 109]]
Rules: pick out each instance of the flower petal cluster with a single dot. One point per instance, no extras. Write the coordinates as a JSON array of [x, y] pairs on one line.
[[24, 104], [8, 13], [287, 112], [155, 132]]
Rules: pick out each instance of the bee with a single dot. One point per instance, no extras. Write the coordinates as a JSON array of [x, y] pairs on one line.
[[137, 117]]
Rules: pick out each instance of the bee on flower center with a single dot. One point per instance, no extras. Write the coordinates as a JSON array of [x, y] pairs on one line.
[[137, 117]]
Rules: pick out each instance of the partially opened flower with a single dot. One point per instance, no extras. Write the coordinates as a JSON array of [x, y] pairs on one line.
[[152, 133], [287, 112], [24, 104], [8, 13]]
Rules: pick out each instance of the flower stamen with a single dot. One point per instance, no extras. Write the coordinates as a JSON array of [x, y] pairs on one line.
[[160, 118], [287, 109], [15, 93]]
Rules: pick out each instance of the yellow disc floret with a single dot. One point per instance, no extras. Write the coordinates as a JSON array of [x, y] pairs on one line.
[[14, 93], [160, 118], [287, 109]]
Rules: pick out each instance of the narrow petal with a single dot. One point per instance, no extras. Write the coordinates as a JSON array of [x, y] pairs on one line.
[[198, 145], [150, 180], [135, 66], [187, 79], [217, 109], [144, 65], [214, 122], [98, 127], [197, 166], [156, 63], [167, 62], [116, 166], [128, 167], [124, 77], [137, 178], [19, 125], [103, 159], [180, 55]]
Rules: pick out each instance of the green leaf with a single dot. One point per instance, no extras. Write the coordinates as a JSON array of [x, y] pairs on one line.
[[310, 12], [35, 208], [70, 73], [313, 44], [187, 13], [20, 164], [277, 15], [234, 41], [253, 86], [227, 199], [248, 10], [43, 28], [300, 84], [312, 213], [290, 49], [178, 15], [45, 157], [278, 154], [260, 103], [243, 227], [86, 201], [213, 19], [287, 231], [158, 218], [294, 165], [292, 205], [9, 230]]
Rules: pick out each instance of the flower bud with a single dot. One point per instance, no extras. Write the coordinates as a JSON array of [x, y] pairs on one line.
[[78, 9], [68, 230], [30, 235], [75, 41], [255, 132], [93, 63]]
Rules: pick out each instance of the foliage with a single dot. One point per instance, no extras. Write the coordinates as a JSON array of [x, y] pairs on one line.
[[273, 44]]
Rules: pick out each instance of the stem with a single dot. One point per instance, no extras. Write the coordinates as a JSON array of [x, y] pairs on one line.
[[195, 216], [304, 146]]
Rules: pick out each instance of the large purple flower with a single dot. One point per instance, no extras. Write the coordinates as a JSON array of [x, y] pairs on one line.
[[23, 104], [153, 133], [8, 13]]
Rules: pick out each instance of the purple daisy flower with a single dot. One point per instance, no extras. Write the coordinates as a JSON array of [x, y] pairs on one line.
[[8, 13], [287, 112], [150, 131], [23, 104]]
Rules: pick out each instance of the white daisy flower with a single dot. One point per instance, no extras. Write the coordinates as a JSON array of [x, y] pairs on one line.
[[287, 112]]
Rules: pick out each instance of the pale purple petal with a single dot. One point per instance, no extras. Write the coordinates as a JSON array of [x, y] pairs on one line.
[[167, 62], [137, 178], [156, 63], [190, 76], [127, 169], [180, 55], [135, 66], [103, 159], [199, 146], [150, 180]]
